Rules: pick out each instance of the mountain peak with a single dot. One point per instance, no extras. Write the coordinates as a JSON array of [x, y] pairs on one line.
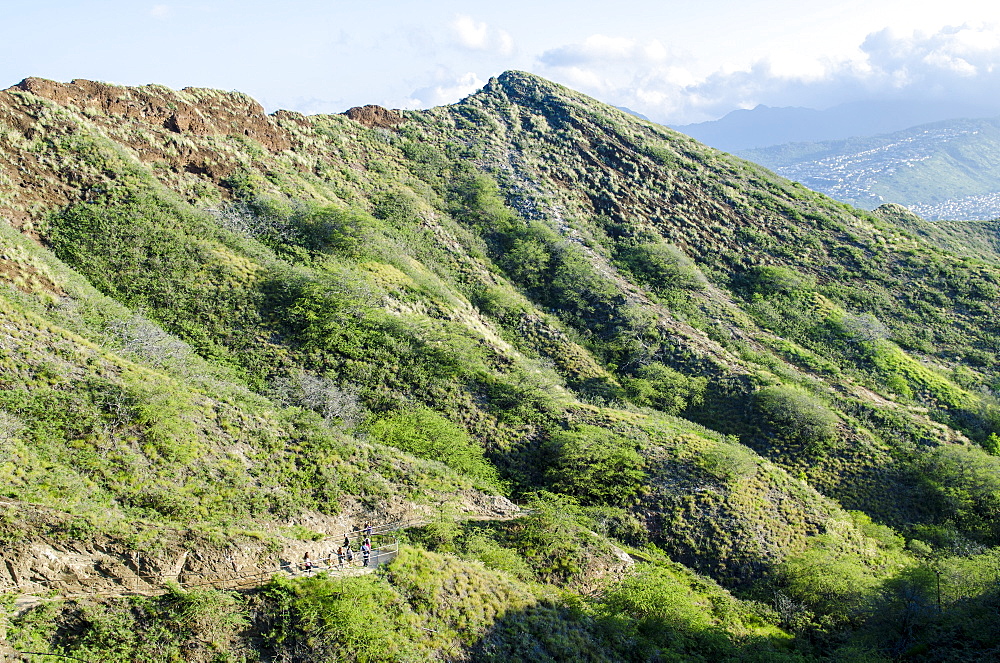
[[521, 85]]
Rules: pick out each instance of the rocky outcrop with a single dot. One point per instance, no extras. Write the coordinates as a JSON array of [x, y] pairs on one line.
[[375, 116], [192, 110], [180, 132]]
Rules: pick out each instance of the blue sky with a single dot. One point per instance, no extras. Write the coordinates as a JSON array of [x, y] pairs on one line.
[[676, 62]]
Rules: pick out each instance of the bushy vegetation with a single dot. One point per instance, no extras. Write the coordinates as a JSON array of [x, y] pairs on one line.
[[798, 416], [178, 626], [426, 606], [663, 388], [521, 294], [595, 466], [429, 435]]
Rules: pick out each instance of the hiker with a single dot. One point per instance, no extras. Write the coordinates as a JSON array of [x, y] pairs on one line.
[[347, 542], [368, 529], [340, 557], [350, 556], [307, 564], [366, 551]]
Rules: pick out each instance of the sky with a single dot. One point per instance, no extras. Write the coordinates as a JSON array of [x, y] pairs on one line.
[[674, 61]]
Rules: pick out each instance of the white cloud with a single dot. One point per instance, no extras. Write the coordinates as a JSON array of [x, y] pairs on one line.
[[604, 49], [504, 42], [469, 33], [957, 62], [954, 65], [160, 12], [448, 90], [950, 62], [655, 51], [479, 36]]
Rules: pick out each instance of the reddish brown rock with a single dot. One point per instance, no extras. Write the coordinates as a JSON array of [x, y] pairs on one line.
[[375, 116], [146, 121], [214, 112]]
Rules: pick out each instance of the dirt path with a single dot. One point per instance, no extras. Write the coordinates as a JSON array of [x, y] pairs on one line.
[[130, 583]]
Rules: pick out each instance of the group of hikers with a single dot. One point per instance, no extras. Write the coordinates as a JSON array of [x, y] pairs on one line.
[[344, 553]]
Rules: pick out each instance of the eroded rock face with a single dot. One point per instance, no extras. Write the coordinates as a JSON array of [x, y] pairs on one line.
[[375, 116], [41, 563], [107, 566], [477, 504], [179, 131], [192, 110]]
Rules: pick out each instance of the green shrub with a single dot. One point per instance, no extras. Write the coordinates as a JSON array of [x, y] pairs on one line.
[[550, 537], [474, 198], [426, 161], [527, 261], [322, 619], [595, 466], [427, 434], [399, 207], [965, 484], [673, 615], [658, 597], [797, 416], [664, 267], [478, 545], [339, 229], [661, 387], [728, 462], [771, 280], [244, 183], [194, 625]]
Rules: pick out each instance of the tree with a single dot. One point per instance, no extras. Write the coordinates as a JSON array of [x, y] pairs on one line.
[[659, 386], [595, 466], [798, 416]]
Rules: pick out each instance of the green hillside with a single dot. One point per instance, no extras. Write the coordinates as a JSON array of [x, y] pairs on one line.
[[978, 239], [744, 421], [942, 171]]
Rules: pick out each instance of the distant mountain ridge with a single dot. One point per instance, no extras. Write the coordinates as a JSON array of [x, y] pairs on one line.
[[942, 170], [626, 109], [765, 126]]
